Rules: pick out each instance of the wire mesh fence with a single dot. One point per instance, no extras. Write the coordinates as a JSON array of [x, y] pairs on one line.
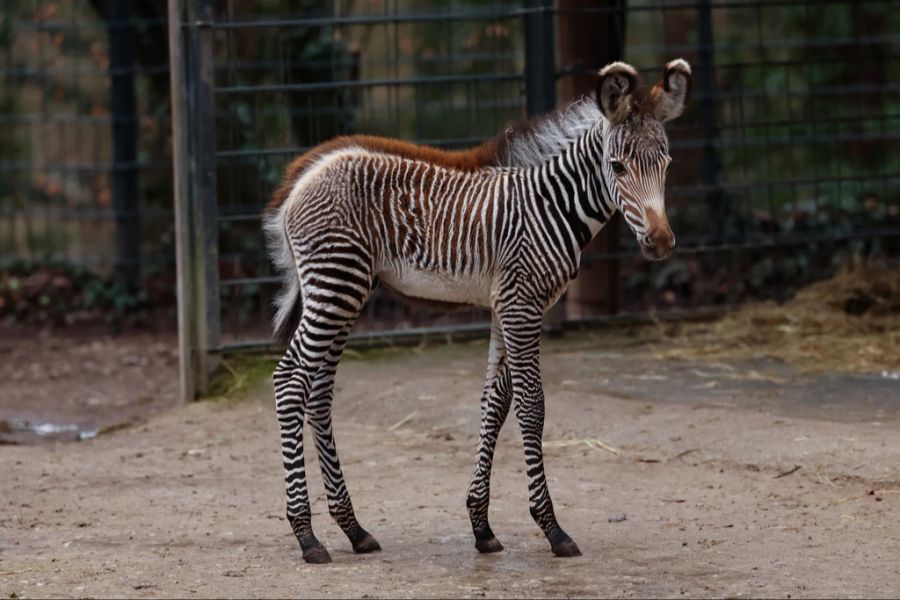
[[783, 168], [85, 166], [786, 162], [449, 78]]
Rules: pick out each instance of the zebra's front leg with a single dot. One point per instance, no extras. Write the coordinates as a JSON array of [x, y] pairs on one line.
[[522, 332], [495, 402], [319, 414]]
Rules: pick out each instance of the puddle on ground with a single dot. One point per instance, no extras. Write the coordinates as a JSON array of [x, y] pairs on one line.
[[18, 430]]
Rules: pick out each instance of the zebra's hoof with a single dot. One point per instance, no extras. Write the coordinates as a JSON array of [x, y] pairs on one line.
[[366, 545], [488, 546], [566, 548], [313, 550], [316, 555]]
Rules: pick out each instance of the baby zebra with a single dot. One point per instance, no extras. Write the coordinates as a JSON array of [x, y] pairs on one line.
[[501, 226]]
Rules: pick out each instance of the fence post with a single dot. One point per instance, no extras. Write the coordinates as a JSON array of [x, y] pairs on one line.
[[540, 93], [206, 215], [181, 199], [193, 164], [592, 38], [540, 57], [123, 106], [706, 75]]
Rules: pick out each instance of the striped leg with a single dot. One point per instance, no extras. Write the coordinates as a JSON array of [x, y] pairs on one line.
[[329, 305], [495, 402], [319, 415], [522, 334], [293, 378]]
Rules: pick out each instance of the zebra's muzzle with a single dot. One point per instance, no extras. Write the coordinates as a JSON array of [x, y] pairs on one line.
[[657, 249]]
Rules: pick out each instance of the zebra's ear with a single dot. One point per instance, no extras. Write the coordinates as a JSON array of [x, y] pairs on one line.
[[672, 91], [617, 82]]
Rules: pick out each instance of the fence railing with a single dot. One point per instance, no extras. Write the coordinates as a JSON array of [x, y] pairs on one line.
[[85, 167], [783, 161], [786, 161]]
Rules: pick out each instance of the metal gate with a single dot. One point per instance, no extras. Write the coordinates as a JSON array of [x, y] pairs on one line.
[[785, 160]]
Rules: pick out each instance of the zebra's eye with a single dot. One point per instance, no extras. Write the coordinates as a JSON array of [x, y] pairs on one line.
[[617, 167], [668, 168]]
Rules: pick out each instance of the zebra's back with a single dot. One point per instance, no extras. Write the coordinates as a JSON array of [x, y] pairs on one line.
[[434, 232]]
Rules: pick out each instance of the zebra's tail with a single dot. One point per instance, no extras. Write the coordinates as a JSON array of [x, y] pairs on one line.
[[288, 305]]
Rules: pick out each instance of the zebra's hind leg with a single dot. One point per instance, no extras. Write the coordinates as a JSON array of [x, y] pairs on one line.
[[495, 402], [292, 384], [522, 332], [328, 307], [319, 415]]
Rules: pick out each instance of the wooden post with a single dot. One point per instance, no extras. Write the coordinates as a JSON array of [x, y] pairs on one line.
[[193, 165], [707, 84], [206, 211], [540, 58], [540, 94], [123, 105], [180, 153], [592, 40]]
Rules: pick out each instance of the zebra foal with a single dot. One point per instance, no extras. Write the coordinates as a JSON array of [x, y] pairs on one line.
[[501, 225]]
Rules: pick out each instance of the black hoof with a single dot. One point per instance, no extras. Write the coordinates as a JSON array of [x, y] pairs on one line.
[[566, 548], [489, 546], [313, 550], [317, 555], [366, 545]]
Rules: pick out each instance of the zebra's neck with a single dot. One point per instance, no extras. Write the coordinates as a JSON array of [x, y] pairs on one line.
[[573, 181]]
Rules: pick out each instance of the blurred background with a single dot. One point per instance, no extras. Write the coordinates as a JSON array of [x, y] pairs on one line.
[[786, 162]]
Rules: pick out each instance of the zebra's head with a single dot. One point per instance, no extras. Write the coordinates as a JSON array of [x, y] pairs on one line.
[[636, 149]]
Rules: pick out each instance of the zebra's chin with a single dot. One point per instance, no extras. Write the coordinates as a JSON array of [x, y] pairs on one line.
[[654, 253]]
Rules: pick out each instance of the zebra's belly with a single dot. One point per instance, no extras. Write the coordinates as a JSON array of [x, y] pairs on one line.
[[439, 287]]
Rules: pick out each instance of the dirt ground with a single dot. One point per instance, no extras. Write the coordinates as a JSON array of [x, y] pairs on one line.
[[735, 479], [62, 385]]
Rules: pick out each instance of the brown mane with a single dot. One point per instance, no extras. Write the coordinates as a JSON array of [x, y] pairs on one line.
[[485, 154], [524, 142]]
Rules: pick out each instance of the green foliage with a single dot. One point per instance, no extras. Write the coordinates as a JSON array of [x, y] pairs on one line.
[[237, 376], [60, 293]]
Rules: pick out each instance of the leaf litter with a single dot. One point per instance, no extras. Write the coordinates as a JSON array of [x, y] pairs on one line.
[[848, 323]]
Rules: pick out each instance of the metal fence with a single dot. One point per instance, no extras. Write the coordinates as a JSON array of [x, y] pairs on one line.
[[786, 161], [448, 78], [85, 166]]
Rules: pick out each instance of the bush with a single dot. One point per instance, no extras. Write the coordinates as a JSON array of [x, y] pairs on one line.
[[61, 293]]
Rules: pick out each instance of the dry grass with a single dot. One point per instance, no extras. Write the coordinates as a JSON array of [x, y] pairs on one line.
[[848, 323]]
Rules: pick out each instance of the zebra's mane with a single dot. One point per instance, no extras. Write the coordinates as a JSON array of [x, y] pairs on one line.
[[534, 141]]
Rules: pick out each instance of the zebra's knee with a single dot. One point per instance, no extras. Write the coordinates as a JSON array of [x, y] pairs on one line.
[[319, 415], [341, 509], [477, 498], [284, 370]]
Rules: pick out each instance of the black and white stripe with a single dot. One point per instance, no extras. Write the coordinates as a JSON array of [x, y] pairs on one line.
[[507, 237]]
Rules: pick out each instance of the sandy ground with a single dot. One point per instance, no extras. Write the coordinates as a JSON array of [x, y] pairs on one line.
[[191, 503], [79, 381]]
